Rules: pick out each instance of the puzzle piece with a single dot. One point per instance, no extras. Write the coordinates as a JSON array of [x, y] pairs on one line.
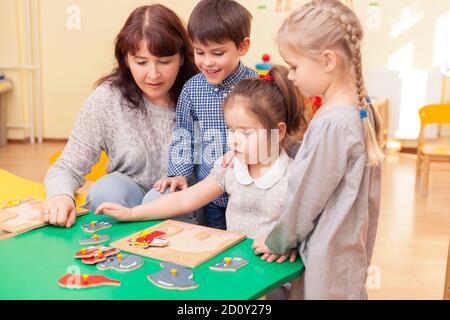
[[149, 238], [229, 264], [96, 238], [95, 226], [78, 281], [100, 256], [121, 263], [90, 251], [173, 277]]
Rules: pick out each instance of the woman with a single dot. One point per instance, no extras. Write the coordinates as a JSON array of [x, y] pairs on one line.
[[130, 115]]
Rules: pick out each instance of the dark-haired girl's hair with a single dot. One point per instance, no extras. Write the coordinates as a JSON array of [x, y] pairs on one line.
[[274, 101]]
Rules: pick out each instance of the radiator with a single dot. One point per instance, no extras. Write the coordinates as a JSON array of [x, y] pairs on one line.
[[407, 92]]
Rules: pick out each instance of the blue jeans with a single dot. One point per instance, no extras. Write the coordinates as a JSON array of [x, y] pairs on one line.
[[214, 216], [119, 188]]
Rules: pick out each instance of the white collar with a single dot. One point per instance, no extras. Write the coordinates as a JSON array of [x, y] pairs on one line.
[[267, 180]]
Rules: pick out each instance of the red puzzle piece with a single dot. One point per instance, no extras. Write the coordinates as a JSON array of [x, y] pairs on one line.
[[77, 281], [100, 257], [91, 251]]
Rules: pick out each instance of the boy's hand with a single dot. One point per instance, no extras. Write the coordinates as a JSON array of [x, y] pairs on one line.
[[114, 210], [174, 183], [259, 248]]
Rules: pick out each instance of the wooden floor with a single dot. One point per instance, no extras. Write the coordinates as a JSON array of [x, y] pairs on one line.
[[413, 236]]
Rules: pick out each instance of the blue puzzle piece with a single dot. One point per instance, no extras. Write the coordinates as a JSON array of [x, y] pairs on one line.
[[95, 226], [232, 265], [128, 263], [181, 280], [101, 238]]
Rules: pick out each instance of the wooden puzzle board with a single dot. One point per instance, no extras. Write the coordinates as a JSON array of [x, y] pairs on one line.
[[6, 235], [23, 216], [189, 245]]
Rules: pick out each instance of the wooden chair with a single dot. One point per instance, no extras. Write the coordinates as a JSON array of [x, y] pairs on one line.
[[97, 171], [381, 104], [426, 153]]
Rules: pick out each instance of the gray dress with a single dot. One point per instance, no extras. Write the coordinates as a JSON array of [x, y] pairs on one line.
[[333, 208], [136, 146]]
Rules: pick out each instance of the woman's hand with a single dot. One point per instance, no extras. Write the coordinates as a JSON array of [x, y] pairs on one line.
[[59, 211], [268, 255], [120, 213], [174, 183]]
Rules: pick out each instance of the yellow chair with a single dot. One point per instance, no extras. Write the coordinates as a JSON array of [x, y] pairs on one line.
[[97, 171], [426, 153]]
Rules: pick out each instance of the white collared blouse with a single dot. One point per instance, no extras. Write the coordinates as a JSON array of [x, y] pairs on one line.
[[254, 205]]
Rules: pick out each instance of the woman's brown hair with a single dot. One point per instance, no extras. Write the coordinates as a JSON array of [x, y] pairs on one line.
[[165, 35], [272, 100]]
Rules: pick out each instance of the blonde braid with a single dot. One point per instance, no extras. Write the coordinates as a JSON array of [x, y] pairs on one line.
[[325, 23], [372, 135]]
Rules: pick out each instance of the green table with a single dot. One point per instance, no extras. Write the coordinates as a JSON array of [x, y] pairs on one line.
[[32, 263]]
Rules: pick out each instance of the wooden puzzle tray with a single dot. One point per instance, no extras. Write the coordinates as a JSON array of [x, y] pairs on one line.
[[22, 215], [189, 245]]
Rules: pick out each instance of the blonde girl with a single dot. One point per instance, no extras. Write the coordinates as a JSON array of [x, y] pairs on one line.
[[334, 186]]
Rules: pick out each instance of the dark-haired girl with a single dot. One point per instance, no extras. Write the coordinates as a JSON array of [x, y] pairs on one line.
[[262, 115]]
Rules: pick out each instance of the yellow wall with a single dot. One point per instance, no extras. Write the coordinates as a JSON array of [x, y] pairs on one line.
[[72, 60], [11, 30]]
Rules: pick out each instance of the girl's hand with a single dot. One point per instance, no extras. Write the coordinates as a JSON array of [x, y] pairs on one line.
[[114, 210], [267, 255], [172, 182], [227, 159], [292, 256]]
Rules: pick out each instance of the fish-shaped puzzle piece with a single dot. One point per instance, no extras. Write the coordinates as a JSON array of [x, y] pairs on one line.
[[94, 226], [229, 264], [96, 238], [173, 277], [121, 262], [149, 238], [78, 281], [100, 256]]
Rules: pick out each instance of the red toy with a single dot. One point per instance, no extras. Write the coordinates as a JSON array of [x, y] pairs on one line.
[[91, 251], [149, 238], [316, 103], [100, 256], [78, 281]]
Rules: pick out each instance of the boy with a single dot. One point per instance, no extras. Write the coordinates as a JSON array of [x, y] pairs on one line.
[[220, 31]]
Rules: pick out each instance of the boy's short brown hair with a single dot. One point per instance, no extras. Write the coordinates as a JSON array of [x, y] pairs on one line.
[[219, 20]]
